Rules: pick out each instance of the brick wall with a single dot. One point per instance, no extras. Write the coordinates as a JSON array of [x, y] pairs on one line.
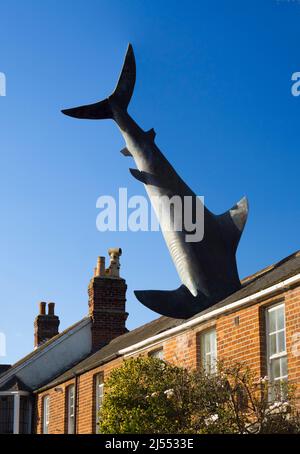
[[241, 336], [57, 409], [107, 297], [292, 315]]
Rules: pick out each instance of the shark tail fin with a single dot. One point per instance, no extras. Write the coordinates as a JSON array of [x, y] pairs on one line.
[[120, 96], [233, 222]]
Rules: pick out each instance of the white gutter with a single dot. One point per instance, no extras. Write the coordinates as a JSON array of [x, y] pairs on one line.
[[158, 337]]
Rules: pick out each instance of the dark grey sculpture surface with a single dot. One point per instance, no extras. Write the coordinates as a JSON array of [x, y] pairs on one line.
[[207, 268]]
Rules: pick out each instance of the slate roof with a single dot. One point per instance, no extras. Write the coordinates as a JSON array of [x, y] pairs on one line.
[[14, 384], [4, 368], [250, 285], [261, 280], [38, 350]]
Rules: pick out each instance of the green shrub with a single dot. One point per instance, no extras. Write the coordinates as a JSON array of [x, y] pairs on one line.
[[148, 395]]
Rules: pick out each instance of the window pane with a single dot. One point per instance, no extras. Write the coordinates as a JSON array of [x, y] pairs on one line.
[[207, 364], [208, 343], [281, 341], [99, 392], [272, 321], [6, 414], [71, 409], [280, 318], [213, 341], [157, 354], [275, 368], [99, 382], [283, 366], [46, 415], [272, 344]]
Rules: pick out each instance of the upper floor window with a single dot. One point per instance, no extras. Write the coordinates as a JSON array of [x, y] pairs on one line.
[[46, 414], [71, 408], [209, 351], [99, 382], [159, 353], [276, 343]]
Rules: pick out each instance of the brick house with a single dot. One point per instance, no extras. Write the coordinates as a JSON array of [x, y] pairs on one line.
[[58, 388]]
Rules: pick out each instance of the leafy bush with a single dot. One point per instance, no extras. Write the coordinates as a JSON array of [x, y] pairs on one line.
[[148, 395]]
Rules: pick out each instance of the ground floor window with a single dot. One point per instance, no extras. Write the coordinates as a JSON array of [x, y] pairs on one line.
[[15, 413], [208, 346], [71, 408], [25, 415], [46, 414], [6, 414], [159, 353], [276, 345], [99, 384]]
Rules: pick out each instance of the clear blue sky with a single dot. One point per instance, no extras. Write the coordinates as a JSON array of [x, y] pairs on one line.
[[214, 79]]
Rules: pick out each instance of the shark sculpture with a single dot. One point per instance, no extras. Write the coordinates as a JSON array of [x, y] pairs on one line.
[[207, 268]]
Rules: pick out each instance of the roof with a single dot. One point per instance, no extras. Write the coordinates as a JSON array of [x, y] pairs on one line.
[[250, 285], [37, 351], [261, 280], [14, 384], [4, 368], [110, 350]]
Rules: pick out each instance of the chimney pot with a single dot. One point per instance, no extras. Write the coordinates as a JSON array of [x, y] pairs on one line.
[[51, 307], [100, 269], [114, 266], [45, 325], [42, 308]]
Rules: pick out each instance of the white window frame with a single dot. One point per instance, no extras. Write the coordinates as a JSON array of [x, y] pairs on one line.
[[276, 355], [211, 354], [46, 414], [71, 409], [99, 383]]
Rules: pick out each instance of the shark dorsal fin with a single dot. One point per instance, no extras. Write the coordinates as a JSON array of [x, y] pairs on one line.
[[125, 152], [233, 222], [151, 133]]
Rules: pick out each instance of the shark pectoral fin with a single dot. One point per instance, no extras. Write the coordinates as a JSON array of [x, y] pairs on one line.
[[125, 152], [148, 178], [234, 220], [178, 303], [140, 176]]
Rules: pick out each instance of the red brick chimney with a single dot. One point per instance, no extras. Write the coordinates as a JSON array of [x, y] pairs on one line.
[[45, 325], [107, 297]]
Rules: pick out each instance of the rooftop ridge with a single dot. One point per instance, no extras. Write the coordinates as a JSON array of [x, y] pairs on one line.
[[269, 268]]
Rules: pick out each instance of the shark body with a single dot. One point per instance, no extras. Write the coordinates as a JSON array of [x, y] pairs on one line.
[[207, 268]]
